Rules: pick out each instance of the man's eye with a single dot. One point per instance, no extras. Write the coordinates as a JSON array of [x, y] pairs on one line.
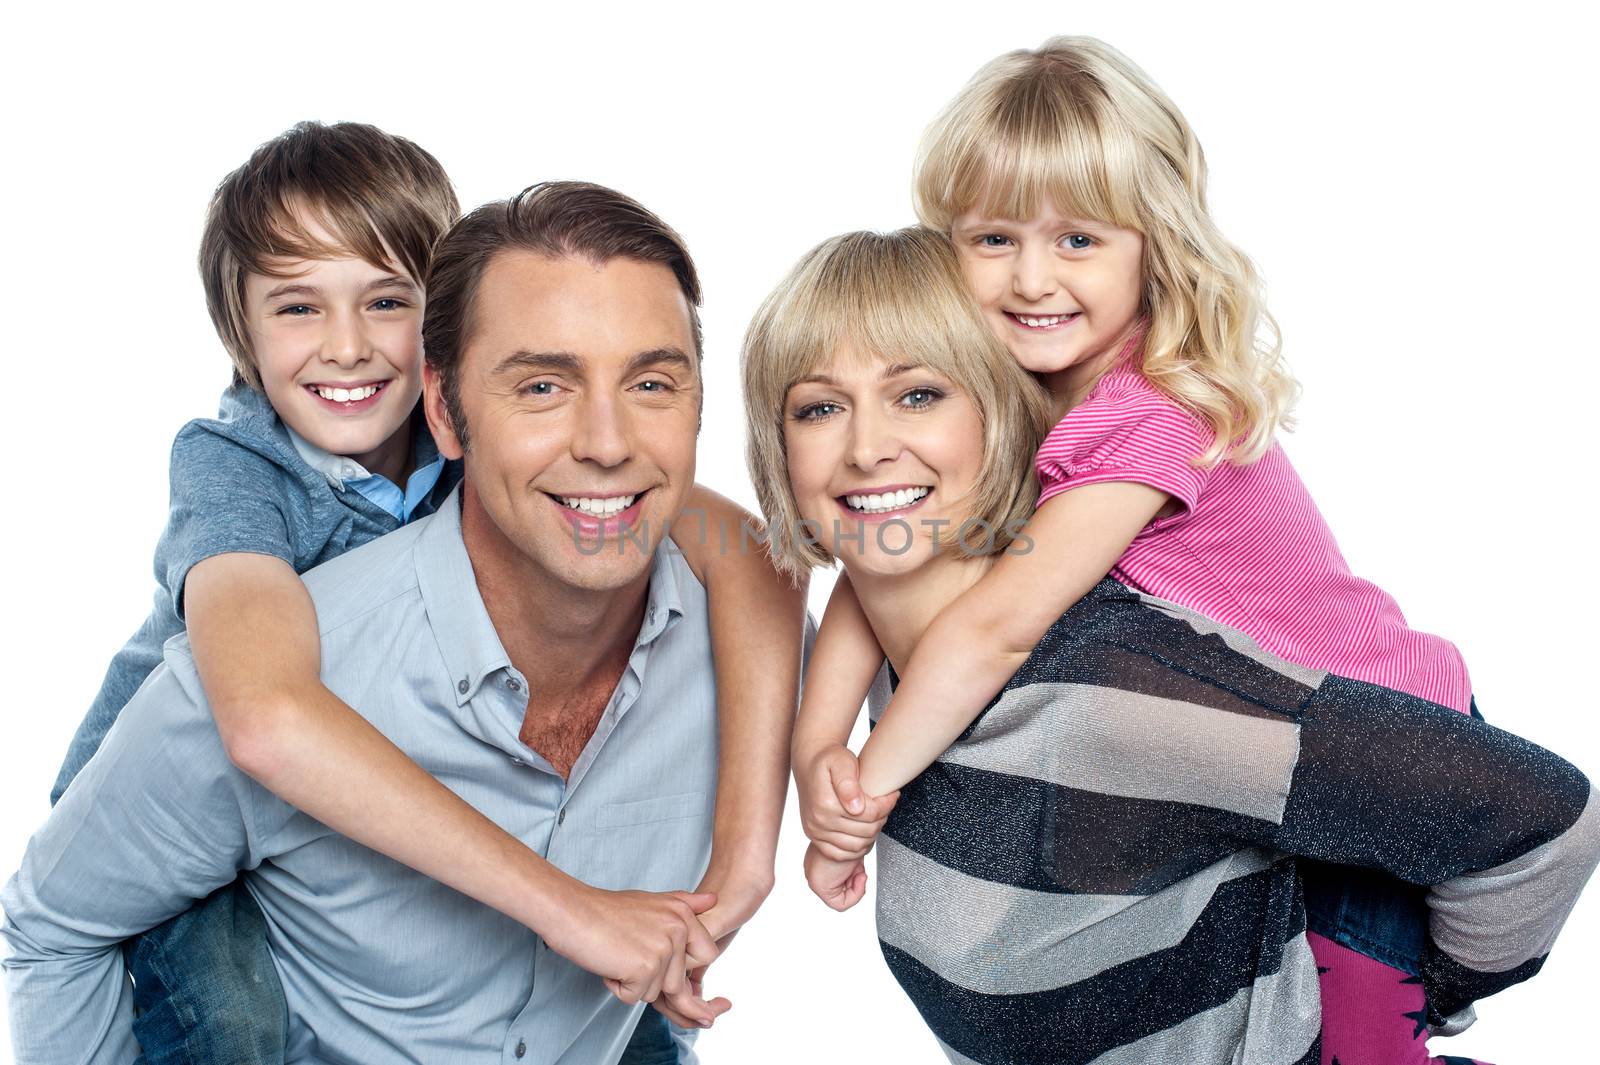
[[654, 387], [1078, 241], [540, 388]]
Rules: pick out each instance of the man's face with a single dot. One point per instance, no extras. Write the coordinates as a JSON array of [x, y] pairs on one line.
[[580, 390]]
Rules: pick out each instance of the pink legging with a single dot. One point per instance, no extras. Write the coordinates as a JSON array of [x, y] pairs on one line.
[[1372, 1014]]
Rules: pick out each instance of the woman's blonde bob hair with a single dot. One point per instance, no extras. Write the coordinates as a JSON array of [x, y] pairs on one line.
[[1076, 126], [898, 297]]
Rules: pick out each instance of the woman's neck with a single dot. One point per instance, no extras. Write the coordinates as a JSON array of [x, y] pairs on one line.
[[900, 608]]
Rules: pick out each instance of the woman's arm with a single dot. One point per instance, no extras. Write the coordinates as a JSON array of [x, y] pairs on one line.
[[982, 638], [253, 631], [757, 628], [839, 820]]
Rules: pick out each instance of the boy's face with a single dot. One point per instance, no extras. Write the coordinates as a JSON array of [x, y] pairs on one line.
[[338, 345]]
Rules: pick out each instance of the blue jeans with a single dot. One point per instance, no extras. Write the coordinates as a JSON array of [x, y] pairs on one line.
[[1369, 911], [652, 1042], [205, 989]]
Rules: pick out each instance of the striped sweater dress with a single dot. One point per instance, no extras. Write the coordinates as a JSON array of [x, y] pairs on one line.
[[1103, 868]]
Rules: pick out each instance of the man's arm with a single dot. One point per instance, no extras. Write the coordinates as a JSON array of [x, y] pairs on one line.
[[155, 821]]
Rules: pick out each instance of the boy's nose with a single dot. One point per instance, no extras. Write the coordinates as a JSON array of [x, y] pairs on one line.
[[346, 342]]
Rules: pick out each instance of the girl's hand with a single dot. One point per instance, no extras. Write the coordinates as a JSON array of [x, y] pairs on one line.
[[839, 884], [838, 818]]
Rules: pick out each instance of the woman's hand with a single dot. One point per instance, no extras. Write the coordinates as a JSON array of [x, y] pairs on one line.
[[840, 820], [839, 884]]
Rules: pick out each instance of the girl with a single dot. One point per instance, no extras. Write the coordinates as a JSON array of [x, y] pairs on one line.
[[1074, 193]]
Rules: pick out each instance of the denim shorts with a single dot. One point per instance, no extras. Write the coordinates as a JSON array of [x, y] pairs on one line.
[[205, 989], [1368, 910]]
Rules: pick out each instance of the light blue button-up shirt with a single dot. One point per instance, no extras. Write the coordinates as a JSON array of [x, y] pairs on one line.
[[379, 964]]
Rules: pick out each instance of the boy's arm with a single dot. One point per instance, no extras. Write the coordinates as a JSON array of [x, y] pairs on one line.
[[253, 630], [983, 637], [757, 629], [838, 819]]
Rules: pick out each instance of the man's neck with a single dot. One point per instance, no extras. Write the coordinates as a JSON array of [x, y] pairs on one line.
[[560, 638]]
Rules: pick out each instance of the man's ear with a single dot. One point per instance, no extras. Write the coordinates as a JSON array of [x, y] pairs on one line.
[[438, 414]]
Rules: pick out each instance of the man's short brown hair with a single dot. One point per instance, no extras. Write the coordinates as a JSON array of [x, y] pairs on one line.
[[557, 219], [369, 189]]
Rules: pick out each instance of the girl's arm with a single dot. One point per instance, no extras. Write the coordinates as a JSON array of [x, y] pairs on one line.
[[838, 819], [757, 629], [253, 631], [983, 637]]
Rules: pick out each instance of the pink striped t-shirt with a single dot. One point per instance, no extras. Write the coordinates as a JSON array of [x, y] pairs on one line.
[[1248, 547]]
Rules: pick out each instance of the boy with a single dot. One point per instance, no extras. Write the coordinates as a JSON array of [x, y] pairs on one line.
[[314, 256]]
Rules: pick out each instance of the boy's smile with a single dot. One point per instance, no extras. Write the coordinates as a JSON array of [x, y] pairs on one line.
[[338, 345]]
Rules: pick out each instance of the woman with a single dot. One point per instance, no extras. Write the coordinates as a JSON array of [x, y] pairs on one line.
[[1104, 867]]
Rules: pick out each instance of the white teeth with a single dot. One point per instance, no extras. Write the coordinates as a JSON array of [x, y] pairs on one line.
[[599, 508], [347, 395], [1037, 322], [877, 503]]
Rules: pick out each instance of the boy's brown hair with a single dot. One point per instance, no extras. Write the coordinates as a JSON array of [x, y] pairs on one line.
[[367, 188]]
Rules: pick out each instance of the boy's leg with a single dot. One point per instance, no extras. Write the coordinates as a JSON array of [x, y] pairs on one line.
[[651, 1042], [205, 989]]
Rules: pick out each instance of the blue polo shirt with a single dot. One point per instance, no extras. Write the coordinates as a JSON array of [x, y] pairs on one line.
[[239, 483]]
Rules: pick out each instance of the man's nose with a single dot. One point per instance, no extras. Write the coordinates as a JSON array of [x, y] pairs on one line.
[[1033, 275], [345, 343], [604, 433]]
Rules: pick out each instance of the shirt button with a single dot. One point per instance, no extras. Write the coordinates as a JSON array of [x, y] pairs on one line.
[[462, 686], [511, 682], [561, 818], [522, 1047]]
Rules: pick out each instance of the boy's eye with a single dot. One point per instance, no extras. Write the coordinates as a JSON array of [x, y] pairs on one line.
[[295, 310], [1078, 241], [388, 303]]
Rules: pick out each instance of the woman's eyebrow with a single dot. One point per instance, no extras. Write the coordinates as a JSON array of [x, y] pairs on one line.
[[901, 368]]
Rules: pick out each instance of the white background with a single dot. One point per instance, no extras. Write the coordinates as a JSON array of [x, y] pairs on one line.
[[1417, 187]]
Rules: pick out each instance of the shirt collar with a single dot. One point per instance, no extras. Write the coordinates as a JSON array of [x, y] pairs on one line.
[[468, 642], [336, 468]]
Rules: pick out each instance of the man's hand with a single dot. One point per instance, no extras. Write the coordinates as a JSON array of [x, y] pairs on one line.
[[641, 943], [839, 884], [838, 818]]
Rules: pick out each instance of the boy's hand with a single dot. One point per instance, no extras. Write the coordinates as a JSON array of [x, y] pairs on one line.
[[838, 818], [641, 943], [839, 884]]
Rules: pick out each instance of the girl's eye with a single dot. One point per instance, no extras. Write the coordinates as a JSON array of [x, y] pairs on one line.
[[919, 398], [815, 412], [1078, 241], [993, 240]]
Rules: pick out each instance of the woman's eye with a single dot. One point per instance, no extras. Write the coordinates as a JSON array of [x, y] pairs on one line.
[[1078, 241], [813, 412], [922, 397]]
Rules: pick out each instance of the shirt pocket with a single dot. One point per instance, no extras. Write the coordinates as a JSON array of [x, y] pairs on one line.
[[647, 811]]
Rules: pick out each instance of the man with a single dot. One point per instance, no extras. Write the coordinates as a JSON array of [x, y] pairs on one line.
[[528, 645]]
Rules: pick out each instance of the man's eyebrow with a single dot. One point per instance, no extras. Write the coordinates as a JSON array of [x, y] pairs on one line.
[[540, 362], [659, 357]]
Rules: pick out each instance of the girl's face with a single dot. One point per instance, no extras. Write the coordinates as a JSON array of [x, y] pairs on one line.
[[1061, 293], [881, 458]]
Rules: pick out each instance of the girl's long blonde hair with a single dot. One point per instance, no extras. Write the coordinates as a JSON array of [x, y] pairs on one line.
[[1077, 126]]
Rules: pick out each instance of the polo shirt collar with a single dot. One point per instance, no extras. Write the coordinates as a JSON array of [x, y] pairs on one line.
[[467, 639]]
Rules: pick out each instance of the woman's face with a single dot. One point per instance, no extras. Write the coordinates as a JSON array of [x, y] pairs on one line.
[[881, 458]]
